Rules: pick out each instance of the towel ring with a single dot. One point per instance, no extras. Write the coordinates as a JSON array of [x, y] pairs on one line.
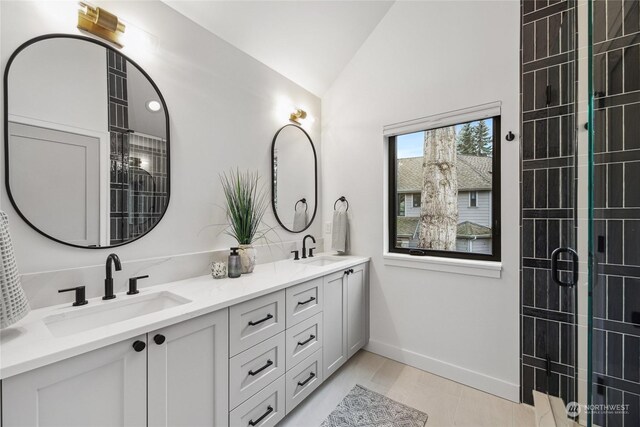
[[341, 199], [304, 201]]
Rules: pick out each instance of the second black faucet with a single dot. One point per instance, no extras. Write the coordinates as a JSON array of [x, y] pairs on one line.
[[304, 246]]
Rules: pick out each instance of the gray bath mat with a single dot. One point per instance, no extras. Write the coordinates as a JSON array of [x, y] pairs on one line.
[[365, 408]]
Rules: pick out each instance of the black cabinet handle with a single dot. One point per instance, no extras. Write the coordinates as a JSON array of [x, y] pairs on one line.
[[256, 372], [159, 339], [307, 341], [256, 422], [555, 271], [257, 322], [307, 301], [351, 271], [303, 383], [139, 346]]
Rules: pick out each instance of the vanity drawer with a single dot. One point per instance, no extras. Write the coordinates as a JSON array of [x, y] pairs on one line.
[[253, 321], [251, 370], [265, 409], [303, 379], [303, 301], [303, 340]]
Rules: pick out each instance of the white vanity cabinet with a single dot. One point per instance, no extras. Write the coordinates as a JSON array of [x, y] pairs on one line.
[[107, 386], [188, 372], [178, 380], [249, 363], [346, 316]]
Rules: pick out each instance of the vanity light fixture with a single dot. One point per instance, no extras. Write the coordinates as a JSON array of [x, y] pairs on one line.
[[101, 23], [153, 106], [298, 115]]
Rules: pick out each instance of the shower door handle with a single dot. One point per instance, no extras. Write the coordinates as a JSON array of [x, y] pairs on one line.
[[555, 272]]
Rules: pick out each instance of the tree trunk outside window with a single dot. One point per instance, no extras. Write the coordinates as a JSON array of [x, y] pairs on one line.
[[439, 212]]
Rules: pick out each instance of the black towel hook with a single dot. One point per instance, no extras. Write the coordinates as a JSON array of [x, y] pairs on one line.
[[341, 199], [303, 201]]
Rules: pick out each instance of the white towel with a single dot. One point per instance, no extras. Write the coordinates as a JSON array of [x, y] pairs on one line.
[[340, 232], [299, 220]]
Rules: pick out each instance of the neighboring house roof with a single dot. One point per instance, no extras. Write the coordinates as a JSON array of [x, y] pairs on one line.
[[474, 173], [407, 226], [470, 230]]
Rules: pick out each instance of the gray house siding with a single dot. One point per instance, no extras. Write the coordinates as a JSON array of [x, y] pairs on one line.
[[482, 246], [478, 215]]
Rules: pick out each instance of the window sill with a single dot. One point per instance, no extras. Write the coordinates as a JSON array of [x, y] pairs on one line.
[[468, 267]]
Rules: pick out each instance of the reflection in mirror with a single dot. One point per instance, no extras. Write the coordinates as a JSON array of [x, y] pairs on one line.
[[294, 171], [86, 150]]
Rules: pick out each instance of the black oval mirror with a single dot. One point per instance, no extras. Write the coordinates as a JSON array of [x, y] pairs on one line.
[[294, 178], [86, 142]]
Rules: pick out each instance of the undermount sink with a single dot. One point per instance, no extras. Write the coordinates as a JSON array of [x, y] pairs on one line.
[[108, 313], [323, 260]]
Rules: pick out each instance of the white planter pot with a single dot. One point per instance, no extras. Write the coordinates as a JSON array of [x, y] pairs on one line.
[[247, 258]]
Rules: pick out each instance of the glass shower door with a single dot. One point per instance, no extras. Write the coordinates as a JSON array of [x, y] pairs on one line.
[[613, 380]]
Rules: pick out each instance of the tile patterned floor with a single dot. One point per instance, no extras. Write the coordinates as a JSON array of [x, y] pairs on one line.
[[446, 402]]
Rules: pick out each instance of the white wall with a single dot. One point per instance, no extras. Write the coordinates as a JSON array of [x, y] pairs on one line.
[[139, 92], [61, 82], [224, 108], [426, 58]]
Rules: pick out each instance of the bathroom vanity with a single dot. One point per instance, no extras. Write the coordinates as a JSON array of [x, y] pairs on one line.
[[200, 351]]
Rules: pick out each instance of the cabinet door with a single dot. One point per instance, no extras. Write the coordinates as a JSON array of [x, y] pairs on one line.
[[335, 351], [105, 387], [356, 308], [188, 373]]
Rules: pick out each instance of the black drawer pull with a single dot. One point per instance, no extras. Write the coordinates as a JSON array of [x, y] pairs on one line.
[[269, 363], [257, 322], [307, 341], [303, 383], [307, 301], [256, 422]]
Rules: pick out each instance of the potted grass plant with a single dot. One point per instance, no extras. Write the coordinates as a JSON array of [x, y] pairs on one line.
[[247, 203]]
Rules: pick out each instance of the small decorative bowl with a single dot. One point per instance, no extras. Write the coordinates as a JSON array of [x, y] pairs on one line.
[[219, 270]]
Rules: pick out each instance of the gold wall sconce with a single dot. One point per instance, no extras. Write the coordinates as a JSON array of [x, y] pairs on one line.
[[298, 115], [101, 23]]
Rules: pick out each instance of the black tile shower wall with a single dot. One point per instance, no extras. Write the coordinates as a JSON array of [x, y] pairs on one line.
[[548, 201], [118, 130], [147, 184], [138, 164], [616, 292]]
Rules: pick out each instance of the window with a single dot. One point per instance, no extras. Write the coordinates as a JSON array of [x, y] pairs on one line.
[[416, 200], [461, 162], [473, 199]]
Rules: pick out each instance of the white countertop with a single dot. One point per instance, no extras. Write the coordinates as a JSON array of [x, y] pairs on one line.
[[28, 344]]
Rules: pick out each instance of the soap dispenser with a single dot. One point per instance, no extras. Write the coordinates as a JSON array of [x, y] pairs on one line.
[[234, 268]]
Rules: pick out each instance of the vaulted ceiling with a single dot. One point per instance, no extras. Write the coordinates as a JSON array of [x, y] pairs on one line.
[[309, 42]]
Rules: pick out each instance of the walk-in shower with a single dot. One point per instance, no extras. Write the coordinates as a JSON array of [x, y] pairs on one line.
[[580, 217]]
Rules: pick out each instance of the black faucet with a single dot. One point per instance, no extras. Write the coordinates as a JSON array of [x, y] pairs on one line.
[[108, 281], [304, 246]]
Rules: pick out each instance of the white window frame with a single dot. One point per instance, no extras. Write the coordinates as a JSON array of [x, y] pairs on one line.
[[476, 198]]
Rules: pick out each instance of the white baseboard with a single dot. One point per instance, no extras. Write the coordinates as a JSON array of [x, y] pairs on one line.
[[455, 373]]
